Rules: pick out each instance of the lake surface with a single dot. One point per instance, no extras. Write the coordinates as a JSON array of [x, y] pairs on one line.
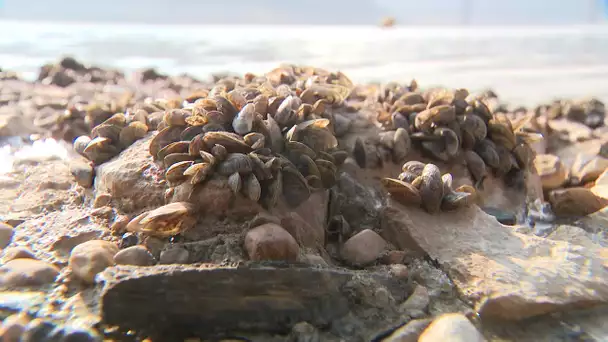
[[523, 64]]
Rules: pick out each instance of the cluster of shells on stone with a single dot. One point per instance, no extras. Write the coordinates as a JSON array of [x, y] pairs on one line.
[[446, 125], [422, 185], [267, 136]]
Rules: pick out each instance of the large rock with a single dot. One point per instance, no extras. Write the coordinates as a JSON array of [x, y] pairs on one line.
[[132, 178], [451, 328], [198, 300], [27, 272], [503, 273]]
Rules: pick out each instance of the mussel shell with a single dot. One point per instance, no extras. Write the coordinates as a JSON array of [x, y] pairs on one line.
[[235, 162], [295, 188], [403, 192], [233, 143], [407, 176], [133, 132], [328, 172], [235, 182], [81, 143], [243, 121], [176, 117], [401, 145], [164, 138], [252, 188], [456, 200], [487, 151], [175, 172], [173, 158], [111, 132], [436, 115], [413, 166], [271, 193], [431, 189], [175, 147], [476, 166]]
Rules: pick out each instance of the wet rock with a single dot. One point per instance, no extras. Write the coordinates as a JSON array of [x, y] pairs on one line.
[[13, 327], [134, 255], [128, 240], [64, 244], [300, 294], [27, 272], [271, 242], [415, 306], [572, 202], [6, 234], [399, 271], [489, 262], [410, 331], [502, 216], [132, 178], [83, 173], [90, 258], [18, 252], [304, 332], [357, 203], [451, 328], [154, 245], [363, 248], [574, 235], [71, 333], [307, 235], [174, 255], [37, 330], [315, 260]]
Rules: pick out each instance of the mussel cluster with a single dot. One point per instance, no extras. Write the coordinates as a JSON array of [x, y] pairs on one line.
[[421, 184], [447, 125], [68, 71], [591, 112], [268, 136]]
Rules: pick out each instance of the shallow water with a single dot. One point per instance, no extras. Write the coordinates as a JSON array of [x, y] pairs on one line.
[[523, 64]]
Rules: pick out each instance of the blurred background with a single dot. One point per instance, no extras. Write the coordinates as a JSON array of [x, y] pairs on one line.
[[527, 51]]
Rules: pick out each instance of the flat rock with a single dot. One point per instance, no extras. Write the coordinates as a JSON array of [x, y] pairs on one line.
[[132, 178], [451, 328], [27, 272], [363, 248], [169, 298], [504, 274], [134, 255], [92, 257]]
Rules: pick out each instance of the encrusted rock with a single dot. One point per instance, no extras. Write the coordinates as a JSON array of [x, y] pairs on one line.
[[416, 305], [451, 328], [363, 248], [13, 327], [134, 255], [271, 242], [27, 272], [92, 257], [82, 172]]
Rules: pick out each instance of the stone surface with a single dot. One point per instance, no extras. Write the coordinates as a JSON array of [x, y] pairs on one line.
[[271, 242], [168, 299], [134, 255], [174, 255], [416, 305], [132, 178], [19, 252], [13, 327], [307, 235], [92, 257], [451, 328], [410, 331], [503, 273], [6, 234], [575, 235], [27, 272], [363, 248]]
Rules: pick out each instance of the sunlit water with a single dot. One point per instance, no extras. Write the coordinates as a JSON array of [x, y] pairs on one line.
[[525, 65]]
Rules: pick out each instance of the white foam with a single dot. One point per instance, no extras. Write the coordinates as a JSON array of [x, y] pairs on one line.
[[40, 150]]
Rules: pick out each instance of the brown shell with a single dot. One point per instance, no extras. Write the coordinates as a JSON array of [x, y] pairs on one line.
[[407, 176], [111, 132], [413, 166], [235, 162], [295, 188], [173, 158], [233, 143], [456, 200], [403, 192], [328, 171], [176, 147], [436, 115], [164, 138], [175, 172], [524, 155], [574, 202], [100, 150], [176, 117], [133, 132], [402, 145], [553, 174], [165, 221], [476, 166], [235, 182], [487, 151], [587, 169], [199, 172], [252, 188]]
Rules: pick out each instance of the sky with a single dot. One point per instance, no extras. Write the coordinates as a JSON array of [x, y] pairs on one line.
[[303, 12]]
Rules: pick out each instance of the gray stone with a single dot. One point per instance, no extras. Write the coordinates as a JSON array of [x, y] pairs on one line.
[[83, 173], [416, 305], [410, 331], [174, 255], [134, 255], [27, 272]]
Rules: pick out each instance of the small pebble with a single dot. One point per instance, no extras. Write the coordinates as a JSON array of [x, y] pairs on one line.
[[120, 224], [83, 173], [453, 327], [13, 327], [393, 257], [37, 330], [154, 245], [271, 242], [304, 332], [399, 271], [6, 234], [27, 272], [363, 248], [128, 240], [18, 252], [410, 331], [90, 258], [415, 306], [102, 200], [134, 255], [105, 212], [174, 255]]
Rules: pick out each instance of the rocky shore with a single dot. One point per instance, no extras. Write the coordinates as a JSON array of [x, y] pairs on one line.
[[297, 206]]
